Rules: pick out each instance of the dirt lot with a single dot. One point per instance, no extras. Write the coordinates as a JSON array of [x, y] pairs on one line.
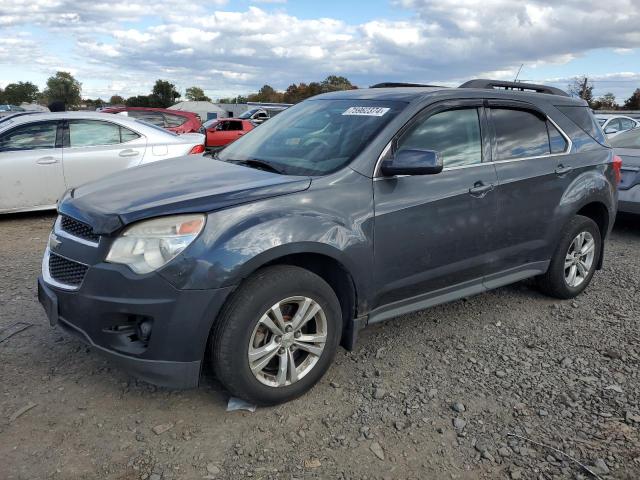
[[432, 395]]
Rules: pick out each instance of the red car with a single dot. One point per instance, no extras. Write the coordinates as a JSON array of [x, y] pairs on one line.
[[176, 121], [223, 131]]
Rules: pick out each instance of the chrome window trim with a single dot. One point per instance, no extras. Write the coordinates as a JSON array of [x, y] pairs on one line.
[[46, 275], [569, 147], [57, 229]]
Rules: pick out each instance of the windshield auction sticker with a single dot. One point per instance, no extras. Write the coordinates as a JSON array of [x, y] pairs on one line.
[[366, 111]]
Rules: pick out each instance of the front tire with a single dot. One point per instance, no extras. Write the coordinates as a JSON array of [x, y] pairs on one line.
[[574, 261], [277, 335]]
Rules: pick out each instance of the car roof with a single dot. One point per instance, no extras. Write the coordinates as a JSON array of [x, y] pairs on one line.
[[82, 115], [411, 94]]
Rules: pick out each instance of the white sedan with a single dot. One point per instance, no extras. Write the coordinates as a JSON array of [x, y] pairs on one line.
[[43, 155], [612, 125]]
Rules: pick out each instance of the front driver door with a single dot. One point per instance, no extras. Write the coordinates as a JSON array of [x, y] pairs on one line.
[[432, 232], [31, 166]]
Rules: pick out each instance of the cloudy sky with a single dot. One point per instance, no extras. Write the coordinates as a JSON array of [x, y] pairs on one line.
[[234, 47]]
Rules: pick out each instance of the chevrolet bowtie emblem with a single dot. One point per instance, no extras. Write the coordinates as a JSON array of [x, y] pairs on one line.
[[53, 241]]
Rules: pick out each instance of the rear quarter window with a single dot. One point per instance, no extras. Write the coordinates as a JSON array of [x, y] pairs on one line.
[[584, 119], [172, 121]]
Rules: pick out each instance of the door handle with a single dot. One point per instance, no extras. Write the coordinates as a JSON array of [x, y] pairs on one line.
[[128, 153], [46, 160], [561, 169], [480, 189]]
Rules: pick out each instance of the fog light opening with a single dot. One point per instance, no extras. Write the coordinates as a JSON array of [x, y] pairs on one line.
[[143, 330]]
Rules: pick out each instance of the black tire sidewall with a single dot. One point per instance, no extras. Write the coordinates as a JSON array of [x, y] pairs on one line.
[[252, 300], [578, 224]]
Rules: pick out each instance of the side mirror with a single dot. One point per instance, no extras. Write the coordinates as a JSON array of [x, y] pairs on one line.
[[610, 130], [411, 161]]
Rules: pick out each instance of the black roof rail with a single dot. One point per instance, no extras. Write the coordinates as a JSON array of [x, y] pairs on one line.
[[399, 84], [518, 86]]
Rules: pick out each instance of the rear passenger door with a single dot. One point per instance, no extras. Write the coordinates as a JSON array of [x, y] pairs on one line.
[[528, 152], [96, 148], [431, 231]]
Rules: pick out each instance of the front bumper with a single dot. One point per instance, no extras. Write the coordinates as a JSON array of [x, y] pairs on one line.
[[108, 308], [629, 200]]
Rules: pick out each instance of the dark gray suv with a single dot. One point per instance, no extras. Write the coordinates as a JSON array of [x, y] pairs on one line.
[[347, 209]]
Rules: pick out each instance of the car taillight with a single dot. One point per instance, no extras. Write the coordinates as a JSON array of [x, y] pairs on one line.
[[617, 168], [197, 149]]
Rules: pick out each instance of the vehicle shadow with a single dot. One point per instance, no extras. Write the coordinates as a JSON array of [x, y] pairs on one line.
[[627, 225]]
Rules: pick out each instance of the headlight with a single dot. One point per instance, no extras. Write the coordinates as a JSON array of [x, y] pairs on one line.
[[148, 245]]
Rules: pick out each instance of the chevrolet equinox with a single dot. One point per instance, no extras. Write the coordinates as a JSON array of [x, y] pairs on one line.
[[347, 209]]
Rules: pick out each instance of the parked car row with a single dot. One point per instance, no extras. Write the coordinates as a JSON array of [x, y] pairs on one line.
[[612, 125], [44, 154], [261, 260]]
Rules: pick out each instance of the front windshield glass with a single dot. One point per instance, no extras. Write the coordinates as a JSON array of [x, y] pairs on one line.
[[315, 137], [628, 139]]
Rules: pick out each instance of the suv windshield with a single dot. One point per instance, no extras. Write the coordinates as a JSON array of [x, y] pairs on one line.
[[315, 137], [249, 113]]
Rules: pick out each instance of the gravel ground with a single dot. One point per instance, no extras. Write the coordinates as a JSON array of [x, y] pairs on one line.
[[437, 394]]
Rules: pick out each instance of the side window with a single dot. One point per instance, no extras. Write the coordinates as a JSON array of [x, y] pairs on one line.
[[454, 134], [519, 134], [557, 142], [174, 120], [34, 136], [86, 133], [626, 124], [127, 135], [235, 125]]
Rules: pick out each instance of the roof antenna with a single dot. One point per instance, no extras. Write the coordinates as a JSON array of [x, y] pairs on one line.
[[518, 74]]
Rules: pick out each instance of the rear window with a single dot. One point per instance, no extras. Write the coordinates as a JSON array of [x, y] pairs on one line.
[[583, 118], [172, 121]]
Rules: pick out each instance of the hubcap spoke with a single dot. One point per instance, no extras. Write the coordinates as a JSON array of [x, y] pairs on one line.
[[283, 367], [259, 357], [267, 322], [572, 275], [588, 247], [293, 372], [312, 349], [304, 314], [582, 268], [312, 338], [277, 314]]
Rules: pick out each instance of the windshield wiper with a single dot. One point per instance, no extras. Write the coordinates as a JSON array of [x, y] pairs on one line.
[[259, 164]]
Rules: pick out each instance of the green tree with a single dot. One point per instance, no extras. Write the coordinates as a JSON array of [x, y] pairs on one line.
[[335, 83], [606, 102], [633, 102], [266, 94], [582, 88], [62, 87], [16, 93], [196, 94], [116, 100], [139, 101], [164, 94]]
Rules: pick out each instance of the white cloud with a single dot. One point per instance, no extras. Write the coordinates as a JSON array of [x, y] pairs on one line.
[[132, 43]]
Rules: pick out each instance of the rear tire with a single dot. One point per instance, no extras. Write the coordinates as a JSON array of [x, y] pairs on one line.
[[262, 351], [574, 261]]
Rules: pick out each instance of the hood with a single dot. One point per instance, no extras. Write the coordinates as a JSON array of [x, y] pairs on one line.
[[182, 185]]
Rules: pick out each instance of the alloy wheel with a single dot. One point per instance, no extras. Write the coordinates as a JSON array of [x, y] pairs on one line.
[[579, 259], [287, 341]]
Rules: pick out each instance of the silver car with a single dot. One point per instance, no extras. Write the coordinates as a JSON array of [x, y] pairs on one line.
[[612, 125], [43, 155]]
